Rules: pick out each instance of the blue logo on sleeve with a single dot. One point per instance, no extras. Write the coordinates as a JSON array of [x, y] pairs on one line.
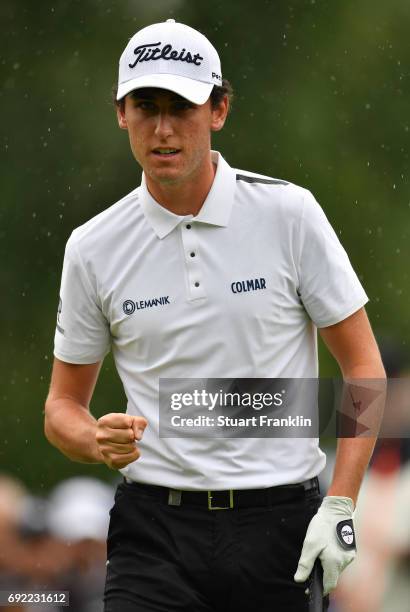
[[60, 307]]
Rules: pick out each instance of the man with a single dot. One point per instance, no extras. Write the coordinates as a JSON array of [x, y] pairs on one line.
[[166, 278]]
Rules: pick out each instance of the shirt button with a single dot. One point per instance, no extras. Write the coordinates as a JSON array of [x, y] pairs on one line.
[[192, 254], [196, 284], [188, 226]]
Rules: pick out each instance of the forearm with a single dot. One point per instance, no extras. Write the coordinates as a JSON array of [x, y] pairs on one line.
[[352, 458], [71, 428], [353, 454]]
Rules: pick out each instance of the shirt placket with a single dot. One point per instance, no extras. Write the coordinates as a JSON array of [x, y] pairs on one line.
[[193, 264]]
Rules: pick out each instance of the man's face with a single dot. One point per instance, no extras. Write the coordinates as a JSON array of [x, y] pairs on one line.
[[170, 137]]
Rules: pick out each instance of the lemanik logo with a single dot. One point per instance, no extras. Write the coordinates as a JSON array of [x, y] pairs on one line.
[[129, 306]]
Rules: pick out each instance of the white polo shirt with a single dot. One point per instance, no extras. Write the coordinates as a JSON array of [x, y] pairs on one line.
[[177, 297]]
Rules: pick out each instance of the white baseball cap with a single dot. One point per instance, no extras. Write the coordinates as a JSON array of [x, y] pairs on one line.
[[171, 56]]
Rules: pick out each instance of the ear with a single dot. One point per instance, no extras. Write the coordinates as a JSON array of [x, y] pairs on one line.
[[122, 122], [219, 115]]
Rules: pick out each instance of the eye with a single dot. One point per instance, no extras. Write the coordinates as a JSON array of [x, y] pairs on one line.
[[182, 105], [145, 105]]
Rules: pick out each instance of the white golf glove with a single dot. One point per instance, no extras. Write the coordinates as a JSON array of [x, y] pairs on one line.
[[330, 536]]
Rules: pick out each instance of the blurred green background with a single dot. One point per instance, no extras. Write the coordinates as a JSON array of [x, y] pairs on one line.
[[322, 99]]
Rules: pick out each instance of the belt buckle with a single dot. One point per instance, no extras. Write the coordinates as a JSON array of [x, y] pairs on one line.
[[211, 507]]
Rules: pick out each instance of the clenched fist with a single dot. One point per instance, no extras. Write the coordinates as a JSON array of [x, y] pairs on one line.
[[117, 435]]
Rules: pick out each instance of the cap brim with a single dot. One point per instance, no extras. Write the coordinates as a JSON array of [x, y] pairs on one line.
[[194, 91]]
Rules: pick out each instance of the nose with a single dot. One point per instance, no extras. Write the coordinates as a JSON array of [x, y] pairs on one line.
[[163, 127]]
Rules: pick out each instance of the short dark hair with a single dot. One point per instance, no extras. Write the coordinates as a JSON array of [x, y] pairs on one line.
[[217, 94], [219, 91]]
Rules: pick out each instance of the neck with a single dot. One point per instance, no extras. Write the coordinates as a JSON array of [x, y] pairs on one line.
[[187, 197]]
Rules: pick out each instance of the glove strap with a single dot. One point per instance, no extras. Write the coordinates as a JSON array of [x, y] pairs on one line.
[[345, 534]]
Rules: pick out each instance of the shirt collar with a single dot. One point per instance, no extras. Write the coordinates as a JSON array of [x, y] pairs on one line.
[[215, 210]]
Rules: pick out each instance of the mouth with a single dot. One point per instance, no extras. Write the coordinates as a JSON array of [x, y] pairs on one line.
[[165, 152]]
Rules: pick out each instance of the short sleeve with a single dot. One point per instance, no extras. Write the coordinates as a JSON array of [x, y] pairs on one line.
[[328, 285], [82, 333]]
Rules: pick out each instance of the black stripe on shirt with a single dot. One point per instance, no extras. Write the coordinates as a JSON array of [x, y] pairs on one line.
[[256, 179]]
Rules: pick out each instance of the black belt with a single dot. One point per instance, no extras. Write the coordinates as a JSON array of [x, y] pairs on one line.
[[231, 498]]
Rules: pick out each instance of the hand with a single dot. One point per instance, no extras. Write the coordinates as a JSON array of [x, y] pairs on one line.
[[330, 537], [116, 438]]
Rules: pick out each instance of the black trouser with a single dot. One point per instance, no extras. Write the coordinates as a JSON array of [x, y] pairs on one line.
[[164, 558]]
